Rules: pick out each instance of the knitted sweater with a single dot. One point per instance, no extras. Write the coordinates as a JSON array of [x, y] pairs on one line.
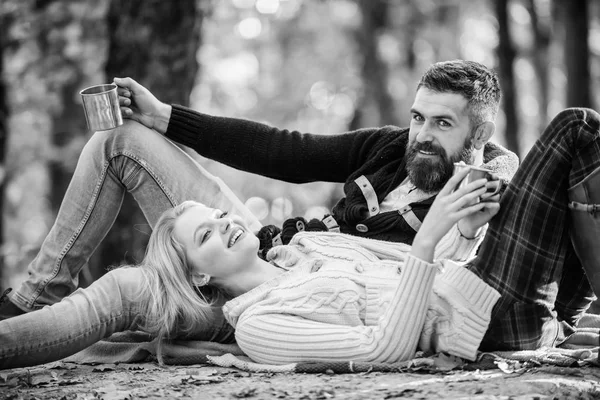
[[375, 153], [346, 298]]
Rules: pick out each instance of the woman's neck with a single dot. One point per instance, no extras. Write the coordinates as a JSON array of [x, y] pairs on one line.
[[259, 272]]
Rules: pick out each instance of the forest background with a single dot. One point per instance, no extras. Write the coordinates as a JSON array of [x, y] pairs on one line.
[[320, 66]]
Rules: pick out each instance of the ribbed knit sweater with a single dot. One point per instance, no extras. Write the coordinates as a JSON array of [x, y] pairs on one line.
[[376, 153], [346, 298]]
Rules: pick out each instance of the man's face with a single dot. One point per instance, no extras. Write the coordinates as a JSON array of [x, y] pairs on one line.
[[440, 135]]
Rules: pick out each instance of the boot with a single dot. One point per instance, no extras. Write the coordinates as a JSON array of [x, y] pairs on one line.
[[7, 307], [584, 205]]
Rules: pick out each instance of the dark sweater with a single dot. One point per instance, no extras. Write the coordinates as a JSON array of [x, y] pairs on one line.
[[376, 153]]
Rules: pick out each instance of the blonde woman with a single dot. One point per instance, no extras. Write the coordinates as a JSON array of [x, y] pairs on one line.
[[333, 297]]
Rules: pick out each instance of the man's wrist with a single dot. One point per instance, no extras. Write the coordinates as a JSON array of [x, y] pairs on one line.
[[162, 118]]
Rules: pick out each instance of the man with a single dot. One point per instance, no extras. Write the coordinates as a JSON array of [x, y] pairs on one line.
[[391, 175]]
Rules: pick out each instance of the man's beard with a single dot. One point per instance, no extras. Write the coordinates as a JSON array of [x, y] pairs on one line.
[[430, 174]]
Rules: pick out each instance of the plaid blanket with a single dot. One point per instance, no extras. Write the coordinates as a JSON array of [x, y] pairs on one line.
[[580, 349]]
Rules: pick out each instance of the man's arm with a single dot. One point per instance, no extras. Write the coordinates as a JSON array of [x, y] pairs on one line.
[[251, 146]]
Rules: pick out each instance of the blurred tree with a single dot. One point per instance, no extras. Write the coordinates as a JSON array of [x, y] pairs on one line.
[[4, 23], [47, 62], [60, 24], [539, 55], [155, 42], [376, 107], [574, 15], [506, 57]]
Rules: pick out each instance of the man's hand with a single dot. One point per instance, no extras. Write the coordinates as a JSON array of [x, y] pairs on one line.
[[139, 104], [449, 207]]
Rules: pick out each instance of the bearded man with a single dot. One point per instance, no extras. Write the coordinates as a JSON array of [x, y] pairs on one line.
[[391, 175]]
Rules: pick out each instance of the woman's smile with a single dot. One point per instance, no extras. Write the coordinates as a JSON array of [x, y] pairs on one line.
[[236, 234]]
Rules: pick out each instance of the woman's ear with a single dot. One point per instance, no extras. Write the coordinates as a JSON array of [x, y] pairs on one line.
[[483, 134], [200, 279]]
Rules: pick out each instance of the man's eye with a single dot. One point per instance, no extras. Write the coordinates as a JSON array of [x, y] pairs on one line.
[[417, 117], [444, 124]]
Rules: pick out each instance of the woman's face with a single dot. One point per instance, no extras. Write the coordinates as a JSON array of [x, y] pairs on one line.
[[215, 243]]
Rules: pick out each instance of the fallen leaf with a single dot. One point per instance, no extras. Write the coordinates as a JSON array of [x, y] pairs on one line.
[[444, 362], [60, 365], [245, 393], [103, 368], [402, 393]]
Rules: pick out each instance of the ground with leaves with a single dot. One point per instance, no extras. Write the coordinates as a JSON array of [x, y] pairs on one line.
[[150, 381]]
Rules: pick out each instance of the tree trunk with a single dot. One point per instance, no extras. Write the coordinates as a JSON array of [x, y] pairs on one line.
[[376, 100], [539, 55], [155, 42], [575, 14], [506, 56], [4, 23]]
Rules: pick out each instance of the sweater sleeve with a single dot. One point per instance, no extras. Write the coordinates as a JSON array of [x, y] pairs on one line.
[[454, 246], [281, 338], [280, 154]]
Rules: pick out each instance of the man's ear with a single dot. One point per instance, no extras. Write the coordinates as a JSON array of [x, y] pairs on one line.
[[483, 134]]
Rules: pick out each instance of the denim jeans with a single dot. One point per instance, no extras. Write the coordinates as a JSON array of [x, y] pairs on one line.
[[111, 304], [130, 158]]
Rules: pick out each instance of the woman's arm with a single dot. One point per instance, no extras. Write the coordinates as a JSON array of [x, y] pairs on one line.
[[450, 207]]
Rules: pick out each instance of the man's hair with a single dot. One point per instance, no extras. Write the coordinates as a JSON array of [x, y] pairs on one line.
[[477, 83]]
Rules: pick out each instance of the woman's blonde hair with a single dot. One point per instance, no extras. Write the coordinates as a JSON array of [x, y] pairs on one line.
[[175, 305]]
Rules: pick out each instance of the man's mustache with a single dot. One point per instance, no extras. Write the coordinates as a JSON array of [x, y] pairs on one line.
[[428, 147]]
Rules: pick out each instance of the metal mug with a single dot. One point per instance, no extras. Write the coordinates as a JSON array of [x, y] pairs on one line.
[[476, 173], [101, 106]]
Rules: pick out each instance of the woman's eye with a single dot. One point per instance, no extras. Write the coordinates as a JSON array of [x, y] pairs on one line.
[[224, 214], [205, 236]]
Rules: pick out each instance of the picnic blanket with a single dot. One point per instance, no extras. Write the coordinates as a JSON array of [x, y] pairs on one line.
[[581, 349]]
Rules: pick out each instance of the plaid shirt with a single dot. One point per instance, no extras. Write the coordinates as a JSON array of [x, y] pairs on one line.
[[527, 254]]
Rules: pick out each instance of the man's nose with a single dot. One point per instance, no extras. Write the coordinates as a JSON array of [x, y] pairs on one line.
[[425, 133]]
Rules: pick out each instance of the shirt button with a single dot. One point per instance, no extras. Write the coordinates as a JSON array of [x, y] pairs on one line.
[[362, 228], [300, 226], [399, 270], [359, 268]]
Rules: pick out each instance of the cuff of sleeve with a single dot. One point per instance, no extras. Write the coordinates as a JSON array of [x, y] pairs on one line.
[[186, 125], [414, 261], [473, 300], [454, 246]]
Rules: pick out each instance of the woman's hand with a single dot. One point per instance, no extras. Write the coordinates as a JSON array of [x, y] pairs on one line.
[[449, 207], [471, 225], [139, 104]]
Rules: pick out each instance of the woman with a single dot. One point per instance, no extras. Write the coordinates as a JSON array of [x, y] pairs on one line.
[[330, 288]]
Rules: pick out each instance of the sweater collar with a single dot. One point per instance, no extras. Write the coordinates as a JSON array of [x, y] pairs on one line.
[[236, 306]]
